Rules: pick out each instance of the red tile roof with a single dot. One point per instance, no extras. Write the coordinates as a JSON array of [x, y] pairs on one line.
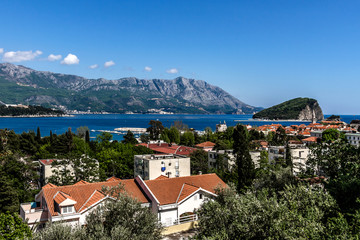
[[205, 144], [95, 197], [186, 191], [47, 161], [61, 196], [167, 191], [82, 192], [112, 179], [81, 182], [168, 148], [310, 139], [161, 177], [49, 185]]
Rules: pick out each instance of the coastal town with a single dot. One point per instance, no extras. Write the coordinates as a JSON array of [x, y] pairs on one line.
[[179, 120], [166, 180]]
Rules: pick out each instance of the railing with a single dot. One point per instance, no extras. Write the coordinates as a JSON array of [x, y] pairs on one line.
[[185, 219]]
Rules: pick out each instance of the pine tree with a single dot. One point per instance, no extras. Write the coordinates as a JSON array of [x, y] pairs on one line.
[[244, 164]]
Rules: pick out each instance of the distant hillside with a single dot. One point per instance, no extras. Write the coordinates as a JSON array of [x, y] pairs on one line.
[[305, 109], [19, 84], [28, 110]]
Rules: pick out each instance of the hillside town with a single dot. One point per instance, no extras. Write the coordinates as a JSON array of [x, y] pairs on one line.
[[173, 176]]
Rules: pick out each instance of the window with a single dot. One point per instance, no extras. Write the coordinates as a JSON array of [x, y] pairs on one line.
[[67, 209], [200, 196]]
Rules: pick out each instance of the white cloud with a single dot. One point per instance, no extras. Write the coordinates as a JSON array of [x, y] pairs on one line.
[[53, 57], [172, 70], [94, 66], [148, 69], [109, 64], [1, 50], [70, 59], [20, 56]]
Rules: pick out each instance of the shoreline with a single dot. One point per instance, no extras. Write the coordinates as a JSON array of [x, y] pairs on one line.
[[269, 120], [35, 116]]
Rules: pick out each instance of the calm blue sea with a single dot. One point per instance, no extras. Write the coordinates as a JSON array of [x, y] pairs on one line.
[[59, 125]]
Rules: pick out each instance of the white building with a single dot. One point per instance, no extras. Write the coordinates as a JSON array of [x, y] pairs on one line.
[[299, 155], [353, 138], [221, 127], [228, 156], [317, 134], [173, 200], [151, 166], [47, 168]]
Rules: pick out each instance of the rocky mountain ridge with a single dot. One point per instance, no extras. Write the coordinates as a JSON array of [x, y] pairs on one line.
[[71, 92]]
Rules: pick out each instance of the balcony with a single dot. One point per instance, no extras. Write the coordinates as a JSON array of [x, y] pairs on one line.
[[32, 213]]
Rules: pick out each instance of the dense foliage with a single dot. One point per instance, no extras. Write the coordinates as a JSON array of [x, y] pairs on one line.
[[89, 160], [286, 110], [13, 227], [29, 110]]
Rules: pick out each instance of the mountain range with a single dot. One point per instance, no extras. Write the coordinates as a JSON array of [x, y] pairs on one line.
[[22, 85]]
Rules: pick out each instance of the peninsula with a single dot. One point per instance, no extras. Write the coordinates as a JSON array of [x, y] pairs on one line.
[[302, 109], [19, 110]]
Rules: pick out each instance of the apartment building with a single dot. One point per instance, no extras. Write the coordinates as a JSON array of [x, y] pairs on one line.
[[151, 166]]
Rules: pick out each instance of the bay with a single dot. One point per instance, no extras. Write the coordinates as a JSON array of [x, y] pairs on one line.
[[109, 122]]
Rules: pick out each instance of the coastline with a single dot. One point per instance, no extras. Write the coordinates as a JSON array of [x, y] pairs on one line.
[[36, 116], [272, 120]]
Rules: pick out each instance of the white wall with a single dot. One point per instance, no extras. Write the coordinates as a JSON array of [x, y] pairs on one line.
[[168, 217], [192, 203]]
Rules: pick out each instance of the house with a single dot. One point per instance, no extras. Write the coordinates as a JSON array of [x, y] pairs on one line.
[[73, 203], [173, 200], [206, 146], [310, 140], [150, 166]]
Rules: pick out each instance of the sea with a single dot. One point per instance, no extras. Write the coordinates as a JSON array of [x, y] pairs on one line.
[[108, 122]]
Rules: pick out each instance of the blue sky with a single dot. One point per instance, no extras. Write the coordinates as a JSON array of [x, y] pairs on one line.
[[262, 52]]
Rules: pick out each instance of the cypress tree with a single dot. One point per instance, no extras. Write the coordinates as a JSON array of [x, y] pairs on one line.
[[288, 159], [87, 136], [38, 135], [244, 165], [51, 137]]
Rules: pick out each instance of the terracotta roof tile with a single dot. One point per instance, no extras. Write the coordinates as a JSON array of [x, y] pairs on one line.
[[310, 139], [47, 161], [95, 197], [81, 193], [186, 190], [61, 196], [167, 190], [111, 179], [81, 182], [161, 177], [205, 144], [49, 185]]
